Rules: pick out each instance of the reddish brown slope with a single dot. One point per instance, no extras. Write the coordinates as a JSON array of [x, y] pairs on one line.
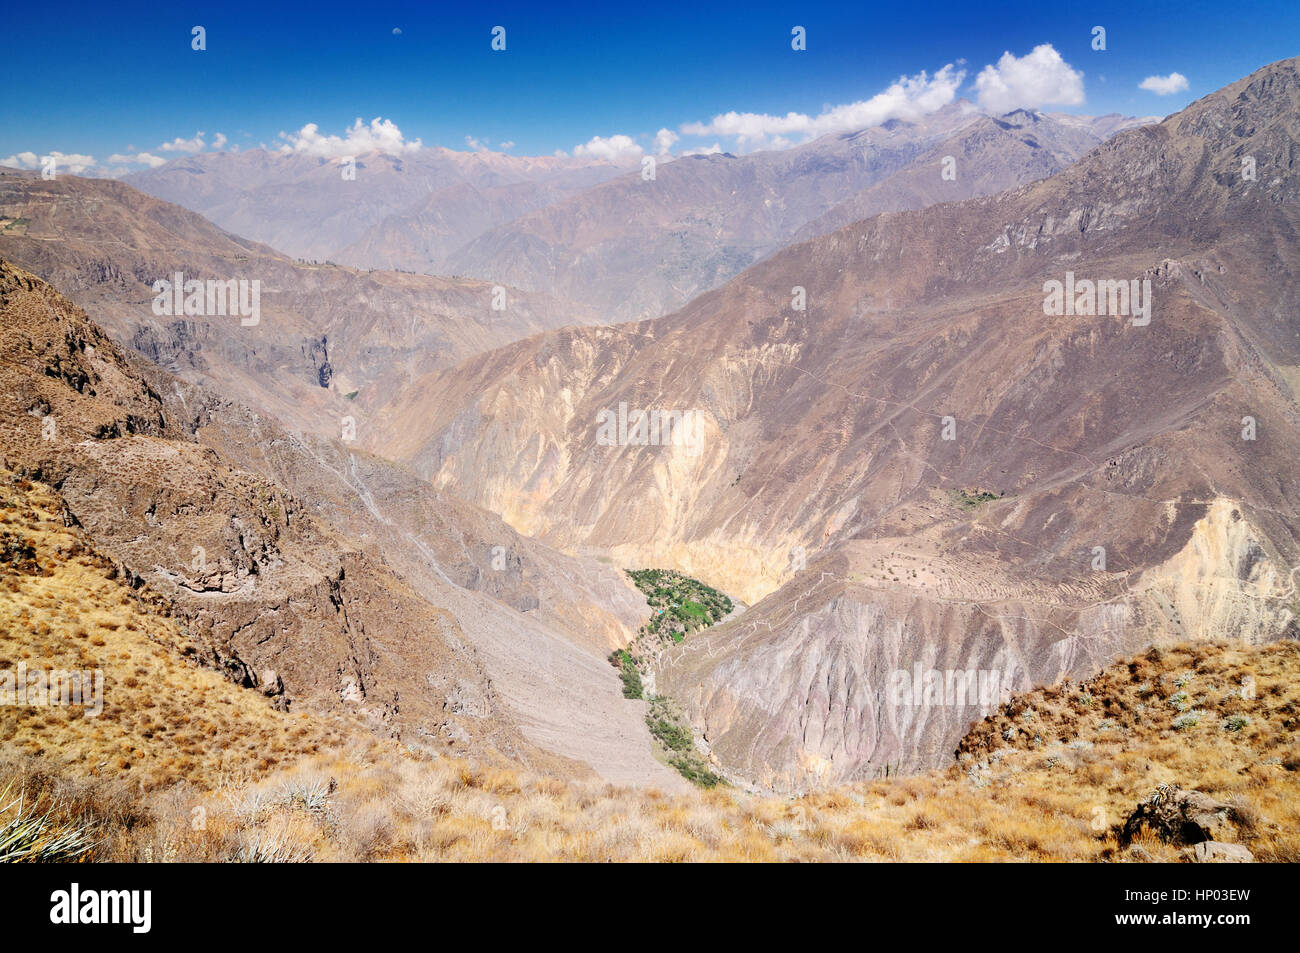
[[824, 439]]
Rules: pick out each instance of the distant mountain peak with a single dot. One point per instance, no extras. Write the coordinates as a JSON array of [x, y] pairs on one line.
[[1022, 117]]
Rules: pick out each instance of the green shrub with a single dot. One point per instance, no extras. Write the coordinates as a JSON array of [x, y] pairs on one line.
[[628, 672], [693, 770], [675, 737], [1235, 722]]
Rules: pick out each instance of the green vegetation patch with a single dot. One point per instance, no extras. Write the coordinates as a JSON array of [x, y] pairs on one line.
[[679, 604], [677, 742], [969, 499], [627, 670]]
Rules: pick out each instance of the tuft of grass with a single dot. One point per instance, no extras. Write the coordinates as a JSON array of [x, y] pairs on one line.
[[37, 837]]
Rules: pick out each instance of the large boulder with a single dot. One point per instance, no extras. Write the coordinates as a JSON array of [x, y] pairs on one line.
[[1177, 816]]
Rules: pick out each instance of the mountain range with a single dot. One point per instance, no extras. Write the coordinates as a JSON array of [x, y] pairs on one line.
[[604, 239], [922, 466], [390, 499]]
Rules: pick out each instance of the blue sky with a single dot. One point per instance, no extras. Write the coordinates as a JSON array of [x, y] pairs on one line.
[[101, 80]]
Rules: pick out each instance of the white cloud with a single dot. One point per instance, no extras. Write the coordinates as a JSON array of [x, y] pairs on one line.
[[664, 140], [908, 97], [485, 145], [1164, 85], [23, 160], [702, 151], [219, 140], [382, 135], [1035, 79], [139, 158], [73, 163], [614, 148], [185, 145]]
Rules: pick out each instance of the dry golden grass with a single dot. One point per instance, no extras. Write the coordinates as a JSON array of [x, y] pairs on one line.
[[165, 718], [1042, 801], [183, 765], [1106, 743]]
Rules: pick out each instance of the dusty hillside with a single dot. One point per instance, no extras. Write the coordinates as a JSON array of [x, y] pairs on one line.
[[1057, 775], [924, 466], [381, 598], [162, 715], [273, 594], [328, 340]]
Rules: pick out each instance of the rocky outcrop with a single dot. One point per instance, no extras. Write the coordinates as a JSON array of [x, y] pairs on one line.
[[1176, 816]]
